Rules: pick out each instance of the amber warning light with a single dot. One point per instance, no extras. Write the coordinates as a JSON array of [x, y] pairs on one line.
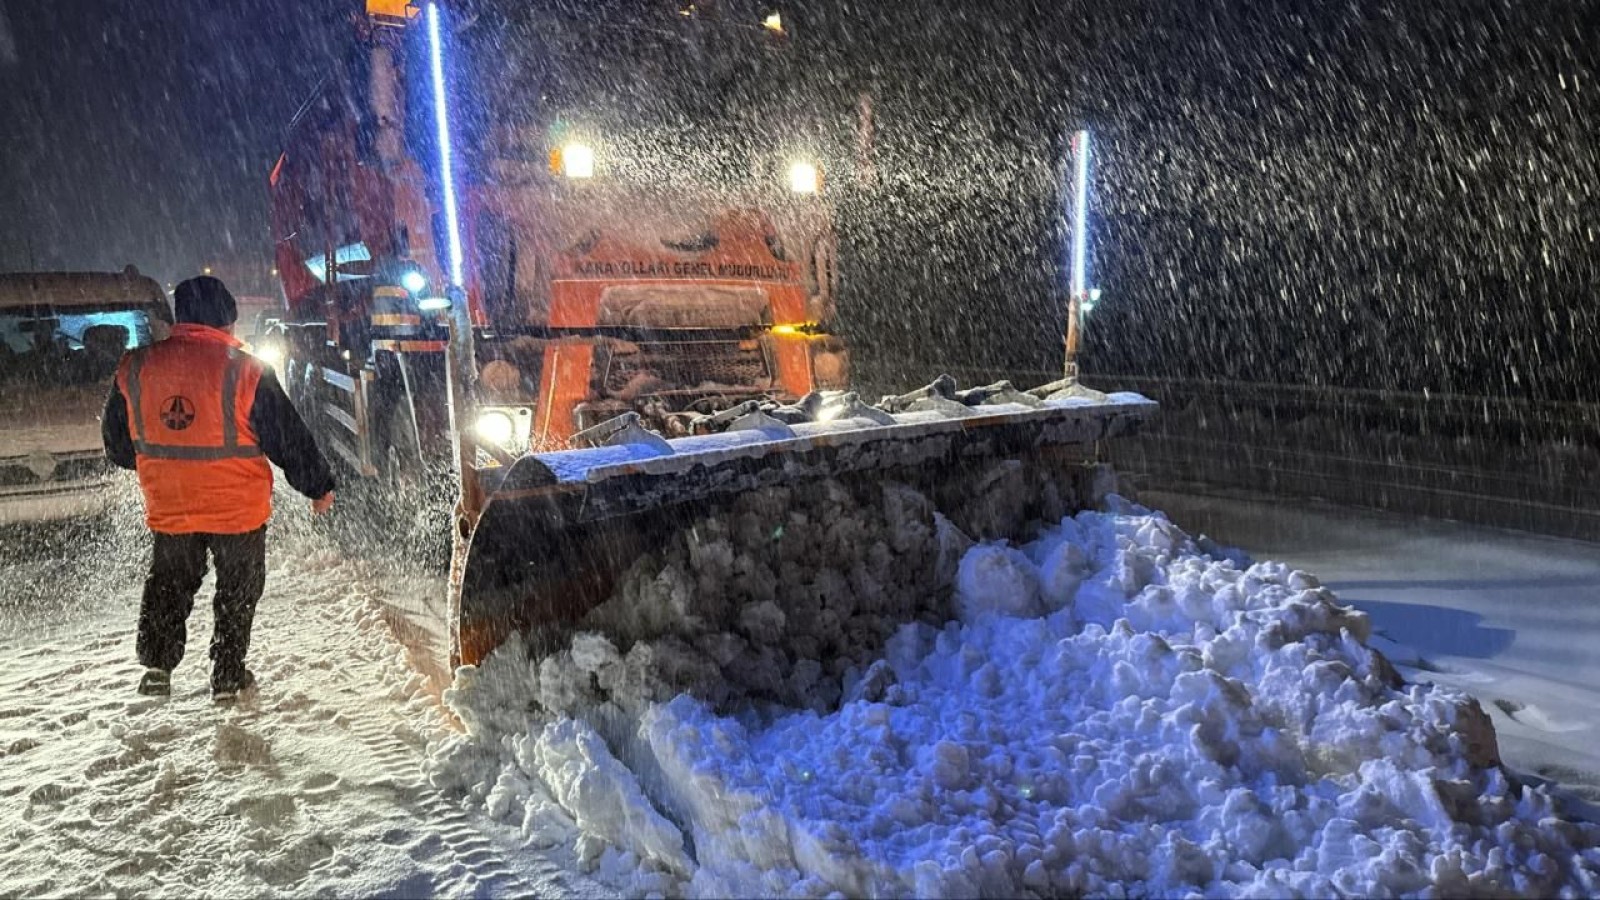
[[392, 12]]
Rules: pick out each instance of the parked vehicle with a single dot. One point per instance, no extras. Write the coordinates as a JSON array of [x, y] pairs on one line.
[[61, 336]]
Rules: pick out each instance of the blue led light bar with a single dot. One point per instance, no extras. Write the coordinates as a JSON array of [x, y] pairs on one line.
[[1080, 217], [441, 116]]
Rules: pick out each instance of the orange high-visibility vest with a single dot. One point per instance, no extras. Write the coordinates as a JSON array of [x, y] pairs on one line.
[[189, 400]]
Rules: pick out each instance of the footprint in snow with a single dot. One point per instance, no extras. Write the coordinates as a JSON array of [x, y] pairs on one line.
[[48, 801], [236, 746], [52, 793], [321, 787], [266, 810], [429, 848]]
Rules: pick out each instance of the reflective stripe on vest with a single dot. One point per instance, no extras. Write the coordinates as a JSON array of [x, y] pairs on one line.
[[230, 448]]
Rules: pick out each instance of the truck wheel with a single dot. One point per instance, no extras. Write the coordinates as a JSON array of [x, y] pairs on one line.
[[417, 499]]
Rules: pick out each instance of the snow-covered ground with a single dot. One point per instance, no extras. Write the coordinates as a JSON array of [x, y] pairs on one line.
[[312, 788], [1118, 710], [1113, 708], [1512, 618]]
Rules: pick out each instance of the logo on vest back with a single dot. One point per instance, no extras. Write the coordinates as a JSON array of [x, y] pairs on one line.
[[177, 412]]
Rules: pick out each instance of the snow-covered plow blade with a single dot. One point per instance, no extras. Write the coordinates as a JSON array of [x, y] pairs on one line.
[[560, 528]]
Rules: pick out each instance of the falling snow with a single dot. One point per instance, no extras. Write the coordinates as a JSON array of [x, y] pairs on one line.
[[1353, 249]]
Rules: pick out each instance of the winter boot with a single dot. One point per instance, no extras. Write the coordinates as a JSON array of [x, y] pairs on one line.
[[227, 692], [156, 683]]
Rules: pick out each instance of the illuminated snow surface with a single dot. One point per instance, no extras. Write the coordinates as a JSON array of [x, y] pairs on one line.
[[313, 787], [1117, 712]]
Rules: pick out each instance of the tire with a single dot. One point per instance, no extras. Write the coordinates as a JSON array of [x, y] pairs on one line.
[[418, 495], [403, 468]]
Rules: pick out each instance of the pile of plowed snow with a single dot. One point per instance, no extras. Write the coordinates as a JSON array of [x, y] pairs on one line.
[[784, 598], [1117, 711]]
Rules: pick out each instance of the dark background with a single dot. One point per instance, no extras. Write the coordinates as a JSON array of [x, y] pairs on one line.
[[1395, 194]]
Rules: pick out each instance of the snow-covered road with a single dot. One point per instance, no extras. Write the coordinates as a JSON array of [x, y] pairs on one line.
[[1117, 708], [313, 787], [1511, 618]]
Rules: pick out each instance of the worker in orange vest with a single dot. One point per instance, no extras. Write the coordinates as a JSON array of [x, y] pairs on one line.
[[199, 419]]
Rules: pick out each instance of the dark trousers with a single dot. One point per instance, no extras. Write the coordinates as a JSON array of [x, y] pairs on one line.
[[176, 570]]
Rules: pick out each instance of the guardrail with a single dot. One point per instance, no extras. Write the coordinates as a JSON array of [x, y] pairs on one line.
[[1505, 462]]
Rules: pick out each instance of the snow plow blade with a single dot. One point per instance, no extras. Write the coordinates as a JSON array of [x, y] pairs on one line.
[[559, 529]]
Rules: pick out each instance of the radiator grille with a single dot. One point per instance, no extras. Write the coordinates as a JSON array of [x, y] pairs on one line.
[[687, 366], [17, 473]]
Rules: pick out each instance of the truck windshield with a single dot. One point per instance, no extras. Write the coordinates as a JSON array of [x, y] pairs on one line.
[[661, 96], [69, 345]]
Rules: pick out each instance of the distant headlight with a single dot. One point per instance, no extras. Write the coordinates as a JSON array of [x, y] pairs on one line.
[[805, 178], [497, 428], [414, 281]]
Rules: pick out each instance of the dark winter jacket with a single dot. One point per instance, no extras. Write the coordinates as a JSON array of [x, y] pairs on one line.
[[281, 433]]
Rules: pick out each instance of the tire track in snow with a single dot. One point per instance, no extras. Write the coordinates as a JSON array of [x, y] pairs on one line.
[[313, 786], [487, 870], [482, 866], [472, 852]]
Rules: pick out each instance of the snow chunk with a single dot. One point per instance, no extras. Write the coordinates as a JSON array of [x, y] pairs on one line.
[[996, 579], [601, 795]]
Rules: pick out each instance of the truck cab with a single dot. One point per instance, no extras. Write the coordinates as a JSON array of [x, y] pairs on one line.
[[645, 214]]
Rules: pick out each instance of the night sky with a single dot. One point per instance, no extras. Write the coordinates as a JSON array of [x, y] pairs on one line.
[[1371, 194], [1360, 193], [143, 132]]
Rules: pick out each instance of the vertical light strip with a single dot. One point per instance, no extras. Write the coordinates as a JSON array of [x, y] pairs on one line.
[[1080, 218], [441, 117]]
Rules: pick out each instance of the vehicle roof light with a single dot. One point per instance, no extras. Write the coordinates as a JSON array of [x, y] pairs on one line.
[[805, 178], [577, 160]]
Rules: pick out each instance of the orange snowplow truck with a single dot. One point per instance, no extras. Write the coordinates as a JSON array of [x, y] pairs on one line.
[[623, 195]]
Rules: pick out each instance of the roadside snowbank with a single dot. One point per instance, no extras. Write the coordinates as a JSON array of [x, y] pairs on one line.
[[1512, 619], [1118, 711]]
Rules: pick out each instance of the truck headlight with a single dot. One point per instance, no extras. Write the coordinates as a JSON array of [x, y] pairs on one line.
[[414, 281], [497, 427], [805, 178], [271, 354]]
